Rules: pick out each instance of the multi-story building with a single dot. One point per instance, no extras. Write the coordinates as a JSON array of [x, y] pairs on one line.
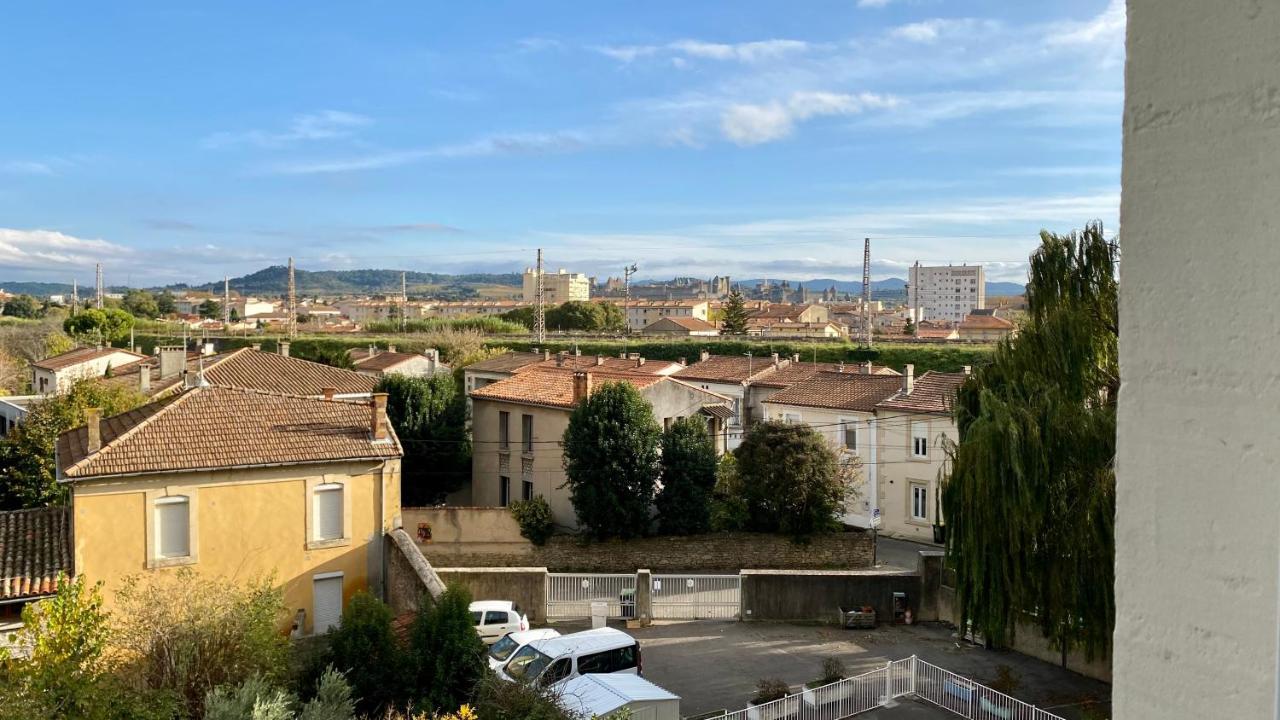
[[642, 313], [470, 308], [557, 287], [946, 292], [731, 377]]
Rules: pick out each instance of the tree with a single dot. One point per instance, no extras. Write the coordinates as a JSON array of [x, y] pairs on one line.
[[429, 415], [448, 656], [106, 325], [1030, 499], [22, 306], [733, 319], [165, 304], [364, 648], [27, 452], [210, 309], [140, 303], [611, 461], [688, 478], [234, 315], [790, 478], [522, 315], [910, 328]]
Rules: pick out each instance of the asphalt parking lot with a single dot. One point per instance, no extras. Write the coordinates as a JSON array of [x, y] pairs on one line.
[[715, 665]]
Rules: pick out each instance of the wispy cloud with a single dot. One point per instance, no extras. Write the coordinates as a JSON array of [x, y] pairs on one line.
[[745, 52], [873, 3], [510, 144], [747, 124], [45, 248], [1106, 28], [322, 125], [26, 167]]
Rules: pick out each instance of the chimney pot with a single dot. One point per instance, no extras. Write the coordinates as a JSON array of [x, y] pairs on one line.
[[639, 361], [581, 386], [391, 348], [599, 360], [840, 366], [284, 348], [866, 367], [909, 380], [683, 362], [560, 360], [329, 392], [776, 360], [173, 360], [144, 379], [577, 352], [257, 346], [968, 369], [378, 413], [702, 356], [546, 354], [93, 423], [622, 356]]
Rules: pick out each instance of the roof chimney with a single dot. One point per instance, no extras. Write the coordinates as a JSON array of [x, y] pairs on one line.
[[840, 366], [577, 352], [391, 348], [866, 368], [683, 362], [93, 424], [257, 347], [172, 361], [546, 354], [144, 379], [378, 416], [599, 360], [968, 369], [702, 356], [329, 392], [284, 348], [639, 361], [909, 380], [581, 386], [776, 360], [560, 359]]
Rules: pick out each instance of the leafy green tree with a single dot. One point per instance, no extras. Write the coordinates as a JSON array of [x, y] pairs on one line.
[[688, 478], [729, 511], [522, 315], [106, 325], [27, 452], [791, 479], [1030, 501], [429, 415], [910, 328], [575, 315], [733, 317], [611, 461], [165, 304], [210, 309], [140, 303], [537, 524], [23, 306], [234, 315], [448, 658], [364, 648]]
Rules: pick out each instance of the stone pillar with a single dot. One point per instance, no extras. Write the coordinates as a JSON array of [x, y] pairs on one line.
[[644, 597]]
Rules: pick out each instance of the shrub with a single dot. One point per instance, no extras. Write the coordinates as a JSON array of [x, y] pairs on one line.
[[500, 700], [770, 689], [258, 699], [688, 478], [364, 648], [535, 519], [447, 657], [790, 479], [833, 669], [728, 507]]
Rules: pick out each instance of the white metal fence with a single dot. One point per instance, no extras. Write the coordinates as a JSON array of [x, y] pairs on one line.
[[899, 678], [569, 595], [697, 597]]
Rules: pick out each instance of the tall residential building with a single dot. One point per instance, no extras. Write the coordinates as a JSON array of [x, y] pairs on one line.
[[557, 287], [946, 292]]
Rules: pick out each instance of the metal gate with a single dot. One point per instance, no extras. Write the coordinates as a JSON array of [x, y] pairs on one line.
[[569, 595], [697, 597]]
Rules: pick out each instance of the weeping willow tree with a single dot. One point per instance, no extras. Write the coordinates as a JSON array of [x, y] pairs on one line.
[[1030, 497]]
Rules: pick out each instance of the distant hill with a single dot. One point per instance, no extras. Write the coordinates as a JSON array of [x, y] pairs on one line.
[[274, 280]]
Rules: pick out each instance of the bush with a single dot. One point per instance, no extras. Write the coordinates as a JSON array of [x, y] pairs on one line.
[[833, 669], [770, 689], [364, 648], [728, 507], [688, 478], [447, 657], [257, 699], [535, 519], [501, 700], [791, 480]]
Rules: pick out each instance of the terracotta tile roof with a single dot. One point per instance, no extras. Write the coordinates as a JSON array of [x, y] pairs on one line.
[[934, 392], [272, 372], [553, 387], [382, 360], [801, 371], [509, 362], [778, 312], [839, 391], [728, 369], [35, 547], [221, 427], [974, 321], [80, 355], [692, 324], [605, 364]]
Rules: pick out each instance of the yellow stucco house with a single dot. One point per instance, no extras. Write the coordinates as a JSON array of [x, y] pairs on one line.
[[238, 484]]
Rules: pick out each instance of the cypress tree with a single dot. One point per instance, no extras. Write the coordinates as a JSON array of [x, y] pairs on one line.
[[733, 320]]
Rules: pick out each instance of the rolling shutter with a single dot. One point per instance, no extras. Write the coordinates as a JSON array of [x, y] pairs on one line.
[[328, 512], [326, 599], [173, 527]]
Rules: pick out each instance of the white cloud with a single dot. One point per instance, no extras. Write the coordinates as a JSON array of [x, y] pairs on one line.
[[26, 167], [752, 124], [322, 125], [745, 52], [873, 3], [510, 144], [50, 249], [626, 53], [923, 32], [1107, 28]]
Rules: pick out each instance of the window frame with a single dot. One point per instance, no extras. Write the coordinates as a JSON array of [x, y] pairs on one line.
[[504, 491], [158, 515], [526, 433], [849, 428], [922, 490], [526, 490], [504, 430], [314, 484], [164, 496], [918, 440], [325, 490]]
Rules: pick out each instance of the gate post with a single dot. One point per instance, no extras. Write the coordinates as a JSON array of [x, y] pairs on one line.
[[644, 597]]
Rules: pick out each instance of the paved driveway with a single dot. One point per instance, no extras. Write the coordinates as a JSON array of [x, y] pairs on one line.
[[715, 665], [902, 554]]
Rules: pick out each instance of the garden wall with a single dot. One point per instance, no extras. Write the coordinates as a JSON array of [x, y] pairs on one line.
[[526, 586]]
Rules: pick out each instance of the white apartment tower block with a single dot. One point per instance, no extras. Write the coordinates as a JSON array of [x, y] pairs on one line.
[[558, 287], [946, 293]]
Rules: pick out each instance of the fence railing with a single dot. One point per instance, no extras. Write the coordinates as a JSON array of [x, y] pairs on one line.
[[898, 678], [696, 597], [569, 595]]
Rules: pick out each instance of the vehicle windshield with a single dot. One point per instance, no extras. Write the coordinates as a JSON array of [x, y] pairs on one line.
[[527, 664], [502, 649]]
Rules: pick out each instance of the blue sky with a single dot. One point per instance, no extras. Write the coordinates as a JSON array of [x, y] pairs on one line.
[[176, 142]]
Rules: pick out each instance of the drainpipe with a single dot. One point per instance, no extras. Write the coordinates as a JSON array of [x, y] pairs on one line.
[[873, 478]]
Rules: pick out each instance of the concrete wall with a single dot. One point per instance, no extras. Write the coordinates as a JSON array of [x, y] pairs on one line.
[[410, 579], [476, 526], [712, 553], [1197, 537], [818, 594], [526, 586]]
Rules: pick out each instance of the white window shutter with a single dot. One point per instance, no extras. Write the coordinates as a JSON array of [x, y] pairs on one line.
[[326, 600], [173, 516], [328, 512]]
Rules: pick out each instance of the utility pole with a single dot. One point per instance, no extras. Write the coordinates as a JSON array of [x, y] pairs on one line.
[[75, 296], [540, 311], [404, 301], [226, 303], [627, 272], [866, 291], [98, 272], [293, 303], [915, 283]]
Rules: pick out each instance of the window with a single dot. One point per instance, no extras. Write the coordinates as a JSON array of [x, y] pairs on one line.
[[495, 617], [173, 527], [327, 499], [558, 671], [791, 418], [594, 663], [850, 429], [526, 433], [504, 491], [919, 440], [326, 601], [504, 430], [526, 490], [919, 502]]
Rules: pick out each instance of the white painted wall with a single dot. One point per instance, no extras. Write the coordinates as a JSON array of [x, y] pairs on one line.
[[1198, 468]]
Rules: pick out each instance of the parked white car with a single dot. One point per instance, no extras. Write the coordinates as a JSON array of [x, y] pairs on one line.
[[548, 662], [501, 651], [495, 618]]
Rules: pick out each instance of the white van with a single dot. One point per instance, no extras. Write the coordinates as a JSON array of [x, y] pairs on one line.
[[501, 651], [547, 662]]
